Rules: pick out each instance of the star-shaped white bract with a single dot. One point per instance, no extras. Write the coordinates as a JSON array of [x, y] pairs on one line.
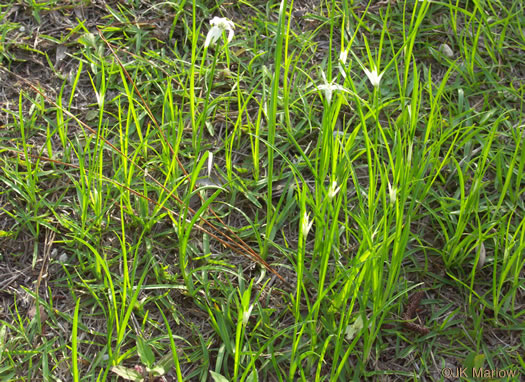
[[329, 88], [373, 76], [343, 56], [305, 225], [219, 25], [333, 190]]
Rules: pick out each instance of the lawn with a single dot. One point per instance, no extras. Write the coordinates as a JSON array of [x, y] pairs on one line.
[[262, 191]]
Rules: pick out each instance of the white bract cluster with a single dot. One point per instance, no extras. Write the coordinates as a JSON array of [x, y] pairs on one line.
[[373, 76], [343, 56], [246, 315], [392, 192], [342, 62], [305, 225], [333, 190], [219, 25], [329, 88]]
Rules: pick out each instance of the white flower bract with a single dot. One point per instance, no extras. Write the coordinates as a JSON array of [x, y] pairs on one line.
[[342, 62], [210, 162], [343, 56], [329, 88], [246, 315], [305, 225], [333, 190], [392, 192], [373, 76], [219, 25]]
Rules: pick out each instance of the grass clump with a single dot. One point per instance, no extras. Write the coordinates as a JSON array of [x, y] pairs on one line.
[[294, 191]]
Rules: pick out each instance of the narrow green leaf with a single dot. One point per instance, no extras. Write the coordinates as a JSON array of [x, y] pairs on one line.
[[218, 377]]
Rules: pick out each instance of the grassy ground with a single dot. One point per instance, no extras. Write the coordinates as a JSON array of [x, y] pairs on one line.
[[334, 194]]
